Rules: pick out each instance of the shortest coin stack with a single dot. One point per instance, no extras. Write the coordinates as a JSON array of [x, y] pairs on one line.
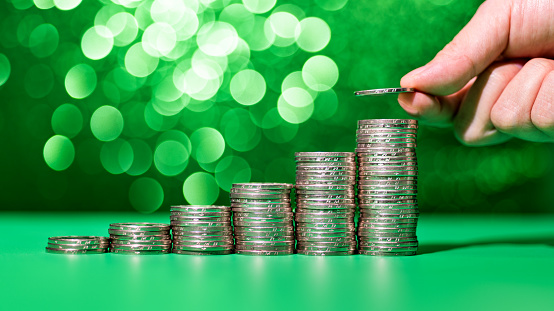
[[78, 244], [263, 219], [140, 238], [202, 230]]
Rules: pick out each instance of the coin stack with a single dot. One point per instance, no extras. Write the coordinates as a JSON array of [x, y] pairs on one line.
[[202, 230], [78, 244], [262, 219], [325, 203], [387, 187], [140, 238]]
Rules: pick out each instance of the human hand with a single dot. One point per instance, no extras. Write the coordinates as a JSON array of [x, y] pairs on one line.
[[495, 80]]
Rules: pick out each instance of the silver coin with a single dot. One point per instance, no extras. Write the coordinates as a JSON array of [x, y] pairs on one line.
[[387, 187], [386, 160], [251, 238], [264, 253], [137, 233], [338, 160], [203, 237], [389, 239], [325, 192], [262, 186], [263, 214], [261, 205], [204, 243], [322, 253], [387, 121], [259, 210], [198, 248], [388, 220], [259, 196], [362, 231], [376, 253], [325, 174], [386, 192], [77, 246], [323, 206], [375, 164], [387, 178], [76, 251], [263, 223], [325, 249], [323, 214], [324, 188], [133, 247], [263, 219], [141, 242], [234, 201], [365, 134], [324, 154], [395, 90], [77, 239], [336, 165], [176, 251], [368, 142], [384, 151], [263, 248], [198, 208], [365, 235], [139, 226]]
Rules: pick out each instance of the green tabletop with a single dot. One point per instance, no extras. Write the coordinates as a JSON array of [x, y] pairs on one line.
[[465, 262]]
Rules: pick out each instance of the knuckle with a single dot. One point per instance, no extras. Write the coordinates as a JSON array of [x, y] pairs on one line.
[[504, 118], [542, 115], [540, 64]]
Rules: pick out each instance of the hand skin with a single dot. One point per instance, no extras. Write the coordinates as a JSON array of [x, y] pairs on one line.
[[495, 80]]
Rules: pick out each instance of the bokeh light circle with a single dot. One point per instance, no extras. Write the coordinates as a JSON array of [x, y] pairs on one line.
[[159, 39], [80, 81], [44, 4], [67, 120], [320, 73], [59, 152], [200, 188], [138, 62], [117, 156], [66, 5], [142, 157], [124, 28], [248, 87], [230, 170], [331, 5], [312, 34], [146, 195], [259, 6], [5, 69], [171, 158], [208, 145], [44, 40], [295, 105], [283, 24], [106, 123], [217, 39], [97, 42]]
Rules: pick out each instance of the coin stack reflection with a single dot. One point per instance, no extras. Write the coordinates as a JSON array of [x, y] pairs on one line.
[[262, 219], [78, 244], [325, 203], [387, 187], [140, 238], [202, 230]]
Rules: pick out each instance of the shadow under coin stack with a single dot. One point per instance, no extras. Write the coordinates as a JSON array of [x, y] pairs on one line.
[[202, 230], [78, 245], [325, 203], [262, 219], [140, 238], [387, 187]]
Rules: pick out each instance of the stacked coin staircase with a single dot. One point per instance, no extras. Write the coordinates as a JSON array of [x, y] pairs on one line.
[[260, 220], [325, 203]]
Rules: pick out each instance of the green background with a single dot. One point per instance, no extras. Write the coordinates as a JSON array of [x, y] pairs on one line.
[[80, 132]]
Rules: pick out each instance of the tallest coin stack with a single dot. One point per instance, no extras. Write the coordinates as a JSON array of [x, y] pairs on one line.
[[387, 187]]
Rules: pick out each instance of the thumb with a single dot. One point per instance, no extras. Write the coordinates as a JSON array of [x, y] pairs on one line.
[[473, 49]]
